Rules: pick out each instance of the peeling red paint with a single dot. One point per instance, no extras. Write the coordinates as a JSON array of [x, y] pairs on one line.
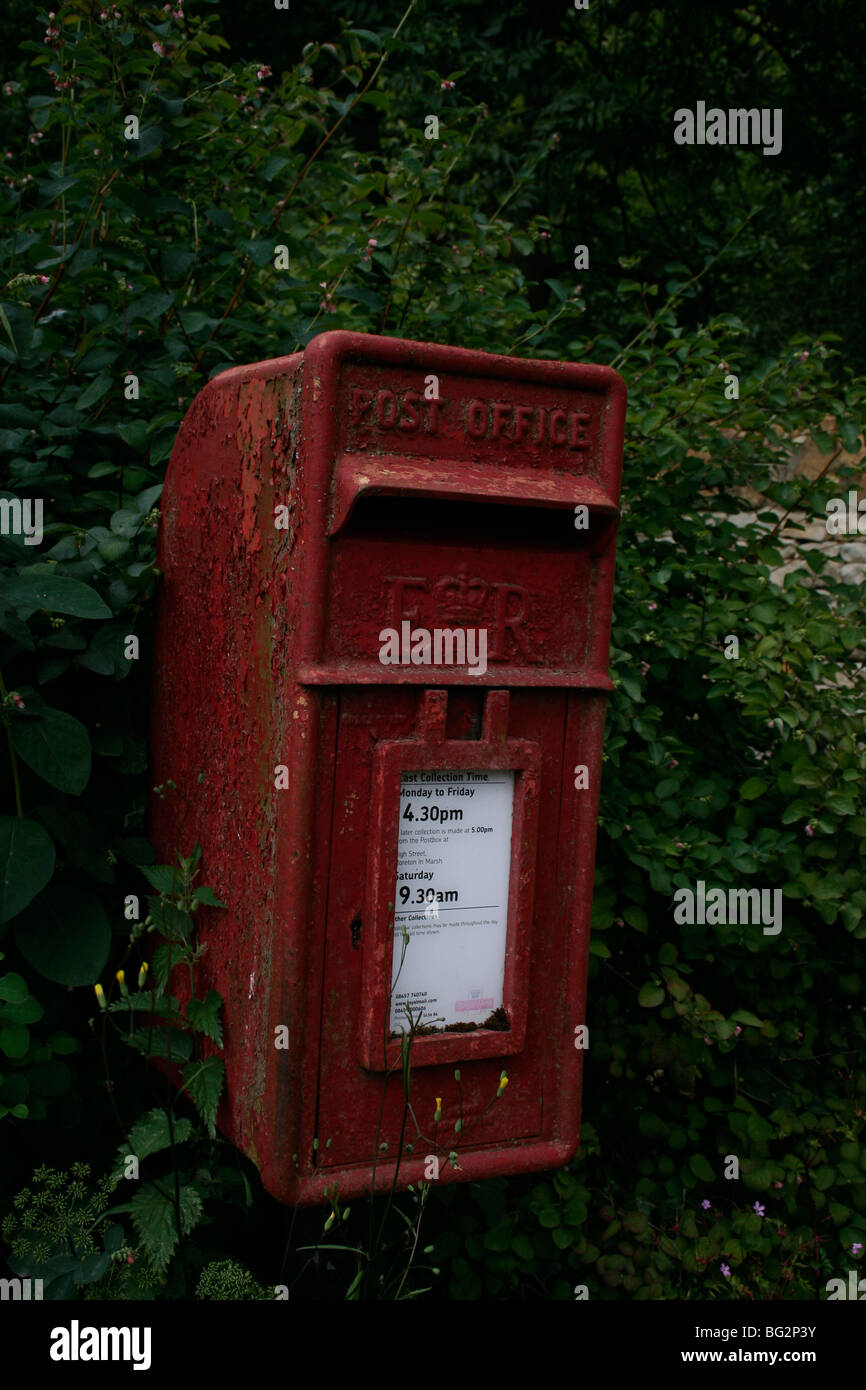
[[268, 655]]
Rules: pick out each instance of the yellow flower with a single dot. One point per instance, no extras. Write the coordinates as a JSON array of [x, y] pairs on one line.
[[121, 980], [100, 995], [503, 1082], [142, 975]]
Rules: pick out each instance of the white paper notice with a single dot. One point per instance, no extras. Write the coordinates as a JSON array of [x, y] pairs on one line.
[[451, 897]]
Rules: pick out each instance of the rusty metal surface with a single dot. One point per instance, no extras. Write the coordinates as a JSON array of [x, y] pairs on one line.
[[400, 508]]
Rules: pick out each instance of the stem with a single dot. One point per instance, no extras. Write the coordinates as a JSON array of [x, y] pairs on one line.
[[13, 756], [678, 294]]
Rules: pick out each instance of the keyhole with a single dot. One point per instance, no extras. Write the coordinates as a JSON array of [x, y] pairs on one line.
[[356, 933]]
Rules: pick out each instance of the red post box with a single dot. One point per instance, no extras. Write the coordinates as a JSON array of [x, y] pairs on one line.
[[383, 640]]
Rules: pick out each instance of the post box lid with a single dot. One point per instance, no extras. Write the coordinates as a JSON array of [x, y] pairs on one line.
[[389, 475]]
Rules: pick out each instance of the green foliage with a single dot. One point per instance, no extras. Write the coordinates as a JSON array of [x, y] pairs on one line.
[[226, 1280], [53, 1231], [33, 1069]]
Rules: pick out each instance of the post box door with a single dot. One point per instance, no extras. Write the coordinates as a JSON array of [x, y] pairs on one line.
[[349, 1127]]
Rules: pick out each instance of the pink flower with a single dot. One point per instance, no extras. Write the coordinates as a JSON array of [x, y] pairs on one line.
[[159, 49], [446, 85], [262, 73], [758, 1208], [652, 605], [44, 279], [737, 1031], [706, 1204], [726, 1271], [810, 830], [644, 667]]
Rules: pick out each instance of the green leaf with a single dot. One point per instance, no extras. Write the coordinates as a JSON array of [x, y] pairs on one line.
[[154, 1218], [177, 261], [65, 935], [153, 1132], [165, 878], [26, 865], [203, 1080], [14, 1040], [558, 289], [362, 296], [650, 996], [168, 1044], [743, 1016], [95, 391], [752, 789], [18, 322], [652, 419], [55, 594], [13, 990], [203, 1015], [207, 897], [273, 166], [56, 746], [636, 1222], [113, 1238], [92, 1267], [522, 1246], [701, 1168]]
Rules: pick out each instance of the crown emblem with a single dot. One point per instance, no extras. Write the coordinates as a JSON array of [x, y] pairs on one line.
[[460, 599]]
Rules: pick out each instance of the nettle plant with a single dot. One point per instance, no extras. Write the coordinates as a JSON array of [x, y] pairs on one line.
[[168, 214], [54, 1233]]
